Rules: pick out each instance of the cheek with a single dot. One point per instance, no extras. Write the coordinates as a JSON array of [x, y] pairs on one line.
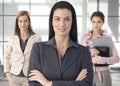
[[19, 24], [69, 25], [53, 23], [100, 25], [27, 23]]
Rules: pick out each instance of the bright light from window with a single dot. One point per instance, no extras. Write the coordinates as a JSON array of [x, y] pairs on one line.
[[38, 1], [23, 7], [7, 1], [40, 10], [20, 1]]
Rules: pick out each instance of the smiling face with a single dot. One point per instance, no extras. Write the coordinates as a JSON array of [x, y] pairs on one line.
[[23, 23], [97, 23], [62, 21]]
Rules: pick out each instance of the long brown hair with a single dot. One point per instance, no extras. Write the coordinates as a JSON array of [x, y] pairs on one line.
[[21, 13]]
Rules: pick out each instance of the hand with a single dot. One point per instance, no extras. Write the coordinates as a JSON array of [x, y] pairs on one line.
[[95, 59], [36, 75], [94, 52], [82, 75], [8, 74]]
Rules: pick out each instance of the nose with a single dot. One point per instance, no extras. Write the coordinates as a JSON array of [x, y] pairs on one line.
[[62, 23], [96, 24], [22, 23]]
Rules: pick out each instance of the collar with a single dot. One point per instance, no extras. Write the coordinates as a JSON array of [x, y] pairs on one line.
[[90, 34], [30, 33], [51, 42]]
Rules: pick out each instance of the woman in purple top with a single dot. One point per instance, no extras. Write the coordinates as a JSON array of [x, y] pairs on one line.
[[101, 73]]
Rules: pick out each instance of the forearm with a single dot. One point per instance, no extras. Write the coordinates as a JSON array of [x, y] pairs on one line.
[[72, 83]]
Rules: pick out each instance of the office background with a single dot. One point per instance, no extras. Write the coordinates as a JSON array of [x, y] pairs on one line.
[[39, 11]]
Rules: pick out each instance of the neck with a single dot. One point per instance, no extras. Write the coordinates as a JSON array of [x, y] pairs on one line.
[[96, 33], [23, 33], [62, 42]]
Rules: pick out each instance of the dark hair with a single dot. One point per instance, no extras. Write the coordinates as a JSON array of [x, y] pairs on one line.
[[64, 5], [99, 14], [21, 13]]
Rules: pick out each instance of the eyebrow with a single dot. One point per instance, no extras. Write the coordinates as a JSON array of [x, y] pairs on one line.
[[65, 17]]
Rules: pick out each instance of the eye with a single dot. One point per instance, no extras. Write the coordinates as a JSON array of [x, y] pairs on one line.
[[93, 21], [99, 21], [57, 19], [67, 19], [20, 21], [26, 21]]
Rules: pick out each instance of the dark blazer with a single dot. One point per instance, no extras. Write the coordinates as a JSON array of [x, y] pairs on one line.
[[45, 58]]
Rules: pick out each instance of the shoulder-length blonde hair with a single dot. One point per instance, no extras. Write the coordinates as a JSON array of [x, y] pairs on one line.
[[21, 13]]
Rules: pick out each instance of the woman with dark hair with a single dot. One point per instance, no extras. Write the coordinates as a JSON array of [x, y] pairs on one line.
[[61, 61], [101, 62], [16, 59], [73, 31]]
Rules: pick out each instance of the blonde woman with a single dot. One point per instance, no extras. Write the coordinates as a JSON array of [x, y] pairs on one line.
[[16, 60]]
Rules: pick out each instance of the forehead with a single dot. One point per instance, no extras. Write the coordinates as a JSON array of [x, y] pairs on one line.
[[96, 18], [62, 12], [23, 17]]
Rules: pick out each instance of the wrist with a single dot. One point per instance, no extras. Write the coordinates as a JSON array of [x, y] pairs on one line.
[[7, 73], [49, 83]]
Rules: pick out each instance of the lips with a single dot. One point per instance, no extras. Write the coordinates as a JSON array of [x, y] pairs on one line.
[[23, 26], [61, 30]]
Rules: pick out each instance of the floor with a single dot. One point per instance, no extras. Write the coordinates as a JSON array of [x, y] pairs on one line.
[[115, 73], [3, 81]]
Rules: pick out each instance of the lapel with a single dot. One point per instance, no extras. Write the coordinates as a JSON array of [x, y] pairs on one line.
[[52, 59], [17, 43], [29, 44], [70, 59]]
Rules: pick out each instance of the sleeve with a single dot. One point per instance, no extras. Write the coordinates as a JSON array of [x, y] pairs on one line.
[[39, 38], [109, 60], [88, 81], [7, 56], [34, 63], [83, 40]]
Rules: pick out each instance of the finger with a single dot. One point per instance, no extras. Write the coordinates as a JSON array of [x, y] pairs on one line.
[[82, 73], [35, 71], [33, 74], [33, 78], [82, 77]]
